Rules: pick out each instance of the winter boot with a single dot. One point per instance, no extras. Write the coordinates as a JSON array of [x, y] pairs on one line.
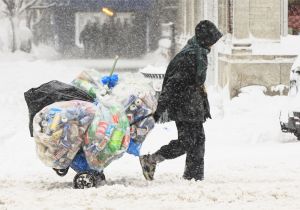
[[148, 163], [148, 167]]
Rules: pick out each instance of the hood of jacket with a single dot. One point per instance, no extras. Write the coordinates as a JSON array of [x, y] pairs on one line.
[[207, 34]]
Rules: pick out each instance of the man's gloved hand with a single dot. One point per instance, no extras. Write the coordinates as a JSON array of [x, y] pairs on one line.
[[156, 116]]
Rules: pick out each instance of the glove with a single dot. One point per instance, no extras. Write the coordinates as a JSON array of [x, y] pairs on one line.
[[156, 117]]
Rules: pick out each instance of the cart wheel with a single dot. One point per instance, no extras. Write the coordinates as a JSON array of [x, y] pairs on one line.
[[100, 177], [84, 180], [61, 172]]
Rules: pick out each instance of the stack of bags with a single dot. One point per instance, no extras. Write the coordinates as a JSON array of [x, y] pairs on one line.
[[118, 121]]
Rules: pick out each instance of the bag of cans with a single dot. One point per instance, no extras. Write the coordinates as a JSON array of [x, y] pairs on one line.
[[90, 81], [59, 129], [108, 136], [139, 109], [137, 99]]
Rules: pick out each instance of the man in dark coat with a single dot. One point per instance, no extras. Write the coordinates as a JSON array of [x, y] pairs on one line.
[[85, 38], [184, 97]]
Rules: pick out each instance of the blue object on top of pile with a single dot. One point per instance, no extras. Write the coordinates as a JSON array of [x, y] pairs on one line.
[[110, 81]]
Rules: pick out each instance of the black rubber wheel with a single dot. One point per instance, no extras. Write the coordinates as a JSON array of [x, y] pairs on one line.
[[84, 180], [100, 176], [61, 172]]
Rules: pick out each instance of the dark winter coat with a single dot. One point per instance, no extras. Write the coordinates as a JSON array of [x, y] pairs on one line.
[[183, 94]]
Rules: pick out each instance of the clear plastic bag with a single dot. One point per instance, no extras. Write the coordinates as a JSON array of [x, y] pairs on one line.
[[58, 130], [108, 136]]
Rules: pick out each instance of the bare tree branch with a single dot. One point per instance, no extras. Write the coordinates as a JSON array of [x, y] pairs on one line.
[[20, 3], [12, 4], [5, 12], [9, 7], [39, 19], [45, 6], [26, 6], [42, 15], [5, 2]]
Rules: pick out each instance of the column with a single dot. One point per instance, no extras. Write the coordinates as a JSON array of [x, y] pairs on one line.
[[284, 17], [241, 9], [198, 11], [265, 19]]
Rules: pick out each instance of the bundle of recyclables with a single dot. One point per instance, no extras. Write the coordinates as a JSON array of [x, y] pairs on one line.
[[90, 123]]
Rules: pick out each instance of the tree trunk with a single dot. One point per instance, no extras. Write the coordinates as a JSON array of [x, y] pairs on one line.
[[14, 39]]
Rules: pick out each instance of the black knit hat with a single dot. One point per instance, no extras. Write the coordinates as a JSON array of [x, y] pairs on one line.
[[207, 34]]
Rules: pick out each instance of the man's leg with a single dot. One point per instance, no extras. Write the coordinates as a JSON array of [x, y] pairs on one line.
[[172, 150], [194, 166], [175, 148]]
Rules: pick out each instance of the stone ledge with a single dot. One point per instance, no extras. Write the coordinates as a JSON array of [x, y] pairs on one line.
[[257, 58], [237, 71]]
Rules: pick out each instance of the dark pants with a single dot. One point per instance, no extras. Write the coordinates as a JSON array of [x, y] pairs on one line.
[[191, 141]]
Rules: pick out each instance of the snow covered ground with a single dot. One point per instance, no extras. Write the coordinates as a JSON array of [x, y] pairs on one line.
[[249, 164]]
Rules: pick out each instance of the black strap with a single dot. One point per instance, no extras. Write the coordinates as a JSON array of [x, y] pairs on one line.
[[140, 119]]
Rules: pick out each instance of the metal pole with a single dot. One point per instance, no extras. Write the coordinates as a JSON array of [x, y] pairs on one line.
[[173, 41], [147, 34]]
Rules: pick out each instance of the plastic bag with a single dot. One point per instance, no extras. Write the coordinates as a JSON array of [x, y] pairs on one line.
[[134, 94], [89, 81], [59, 129], [108, 136], [140, 118], [48, 93]]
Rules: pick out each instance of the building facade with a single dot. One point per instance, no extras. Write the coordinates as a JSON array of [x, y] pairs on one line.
[[255, 49], [82, 28]]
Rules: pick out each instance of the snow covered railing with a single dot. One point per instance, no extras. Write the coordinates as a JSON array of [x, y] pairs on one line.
[[153, 75], [154, 72]]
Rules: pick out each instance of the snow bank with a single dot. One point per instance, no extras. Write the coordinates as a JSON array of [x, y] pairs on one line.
[[250, 118], [38, 52], [44, 52]]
